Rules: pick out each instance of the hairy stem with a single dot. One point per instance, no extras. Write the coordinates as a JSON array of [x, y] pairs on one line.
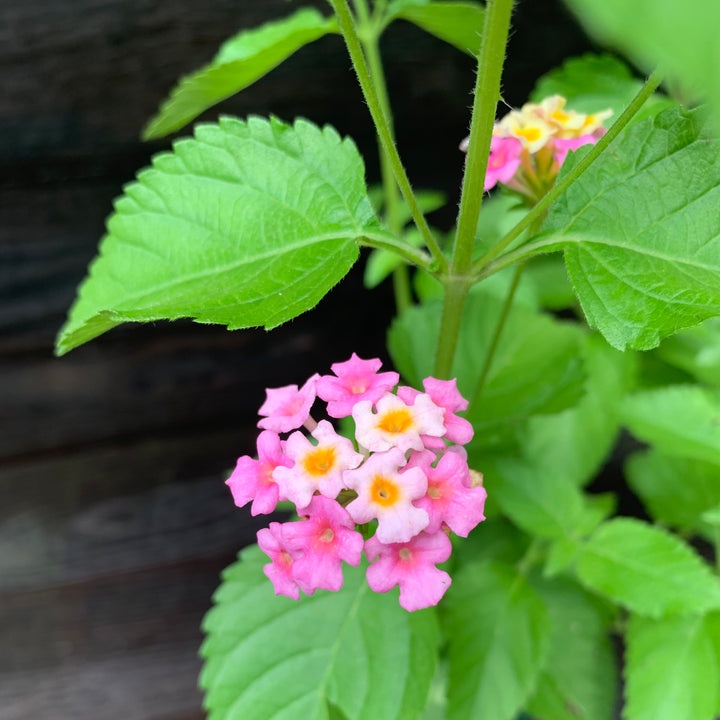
[[487, 92], [346, 21]]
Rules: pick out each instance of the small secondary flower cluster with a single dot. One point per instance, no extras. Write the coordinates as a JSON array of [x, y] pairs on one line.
[[406, 477], [529, 145]]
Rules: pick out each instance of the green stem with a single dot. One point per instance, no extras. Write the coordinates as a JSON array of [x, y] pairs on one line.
[[563, 184], [487, 92], [406, 251], [346, 21], [369, 32], [717, 549], [495, 341]]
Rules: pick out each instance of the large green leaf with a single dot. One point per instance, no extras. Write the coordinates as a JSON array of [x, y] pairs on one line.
[[457, 23], [536, 367], [676, 491], [672, 670], [696, 351], [647, 569], [273, 657], [498, 633], [682, 420], [576, 442], [592, 83], [241, 61], [579, 681], [681, 38], [248, 224], [641, 231]]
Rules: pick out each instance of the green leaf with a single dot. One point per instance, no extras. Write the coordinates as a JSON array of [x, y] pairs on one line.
[[672, 671], [641, 233], [696, 351], [579, 681], [248, 224], [241, 61], [680, 38], [541, 502], [495, 539], [647, 570], [273, 657], [712, 516], [675, 490], [592, 83], [498, 633], [457, 23], [536, 368], [682, 420], [579, 439], [552, 285]]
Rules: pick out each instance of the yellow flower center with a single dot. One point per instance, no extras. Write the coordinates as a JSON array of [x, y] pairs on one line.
[[396, 421], [319, 461], [405, 553], [384, 491], [530, 134], [434, 492], [327, 535]]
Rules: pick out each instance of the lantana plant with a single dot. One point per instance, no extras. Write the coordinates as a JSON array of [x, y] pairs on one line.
[[577, 301]]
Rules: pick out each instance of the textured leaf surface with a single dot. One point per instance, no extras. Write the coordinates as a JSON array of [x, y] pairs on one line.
[[683, 420], [273, 657], [672, 671], [457, 23], [681, 38], [498, 631], [536, 368], [247, 224], [676, 491], [592, 83], [579, 681], [641, 231], [241, 61], [648, 570]]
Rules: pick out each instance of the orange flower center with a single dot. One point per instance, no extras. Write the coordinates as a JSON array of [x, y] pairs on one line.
[[396, 421], [320, 460], [327, 535], [384, 491]]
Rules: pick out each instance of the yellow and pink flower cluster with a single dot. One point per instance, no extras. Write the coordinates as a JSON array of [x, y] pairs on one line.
[[529, 145], [403, 483]]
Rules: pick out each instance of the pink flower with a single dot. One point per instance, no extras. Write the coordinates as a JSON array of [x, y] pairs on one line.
[[253, 479], [397, 424], [287, 408], [564, 145], [316, 467], [356, 379], [504, 160], [411, 565], [280, 570], [322, 542], [450, 499], [386, 494], [444, 394]]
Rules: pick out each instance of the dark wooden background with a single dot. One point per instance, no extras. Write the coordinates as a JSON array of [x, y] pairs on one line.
[[114, 519]]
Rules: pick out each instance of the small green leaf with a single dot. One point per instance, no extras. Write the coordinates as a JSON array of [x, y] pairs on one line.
[[712, 516], [592, 83], [541, 502], [648, 570], [676, 491], [249, 223], [682, 420], [672, 671], [696, 351], [680, 38], [641, 233], [457, 23], [536, 368], [241, 61], [579, 681], [271, 657], [498, 633], [562, 553]]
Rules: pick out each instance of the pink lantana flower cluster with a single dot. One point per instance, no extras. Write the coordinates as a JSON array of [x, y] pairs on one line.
[[395, 491], [529, 145]]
